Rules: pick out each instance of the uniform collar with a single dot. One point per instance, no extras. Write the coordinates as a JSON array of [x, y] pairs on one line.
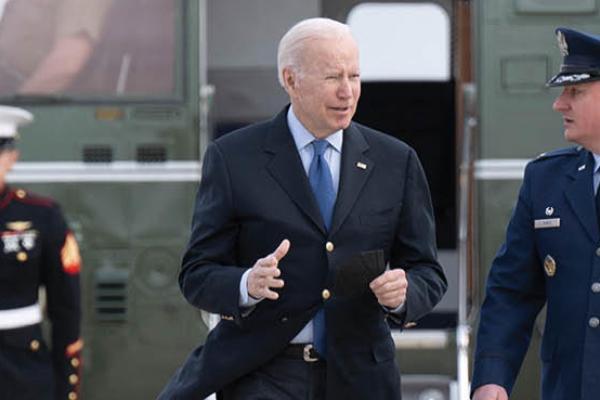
[[5, 196], [4, 192], [302, 137]]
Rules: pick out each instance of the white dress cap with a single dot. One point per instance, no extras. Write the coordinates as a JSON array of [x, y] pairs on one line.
[[11, 118]]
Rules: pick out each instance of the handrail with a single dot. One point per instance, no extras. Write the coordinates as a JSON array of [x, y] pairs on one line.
[[463, 329]]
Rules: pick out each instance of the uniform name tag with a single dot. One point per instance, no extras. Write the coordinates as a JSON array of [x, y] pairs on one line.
[[546, 223]]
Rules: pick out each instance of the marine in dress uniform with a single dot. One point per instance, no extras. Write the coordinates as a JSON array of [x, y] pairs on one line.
[[552, 251], [36, 250]]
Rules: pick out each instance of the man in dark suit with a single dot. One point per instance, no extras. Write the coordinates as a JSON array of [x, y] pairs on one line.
[[283, 207], [551, 254]]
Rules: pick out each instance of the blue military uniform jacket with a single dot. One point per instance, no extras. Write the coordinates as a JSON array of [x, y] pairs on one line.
[[255, 193], [551, 256], [37, 249]]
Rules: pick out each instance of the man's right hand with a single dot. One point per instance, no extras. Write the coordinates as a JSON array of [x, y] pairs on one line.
[[264, 274], [490, 392]]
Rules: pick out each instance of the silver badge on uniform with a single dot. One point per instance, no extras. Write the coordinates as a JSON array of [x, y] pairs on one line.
[[546, 223], [549, 266], [549, 211]]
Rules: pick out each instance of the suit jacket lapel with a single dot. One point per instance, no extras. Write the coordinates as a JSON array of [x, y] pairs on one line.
[[286, 167], [580, 194], [354, 172]]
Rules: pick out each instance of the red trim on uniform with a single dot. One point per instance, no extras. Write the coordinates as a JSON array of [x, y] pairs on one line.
[[4, 201], [34, 200], [74, 348], [69, 254]]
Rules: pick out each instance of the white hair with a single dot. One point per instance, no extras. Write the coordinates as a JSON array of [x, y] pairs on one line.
[[293, 42]]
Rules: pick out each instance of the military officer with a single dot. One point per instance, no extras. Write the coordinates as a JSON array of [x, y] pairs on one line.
[[552, 251], [36, 249]]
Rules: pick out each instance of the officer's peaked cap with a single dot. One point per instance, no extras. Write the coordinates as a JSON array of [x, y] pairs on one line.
[[11, 118], [581, 57]]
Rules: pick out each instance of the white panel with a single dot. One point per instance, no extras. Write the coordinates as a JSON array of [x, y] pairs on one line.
[[402, 41]]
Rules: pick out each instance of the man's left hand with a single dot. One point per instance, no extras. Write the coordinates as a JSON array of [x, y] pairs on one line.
[[390, 288]]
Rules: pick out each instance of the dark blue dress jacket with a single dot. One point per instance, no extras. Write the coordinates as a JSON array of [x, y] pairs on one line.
[[551, 256], [254, 193]]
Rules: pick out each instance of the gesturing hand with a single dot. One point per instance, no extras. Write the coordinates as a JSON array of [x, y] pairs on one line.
[[490, 392], [264, 274], [390, 288]]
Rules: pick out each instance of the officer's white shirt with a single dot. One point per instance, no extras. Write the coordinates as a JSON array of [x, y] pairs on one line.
[[596, 174]]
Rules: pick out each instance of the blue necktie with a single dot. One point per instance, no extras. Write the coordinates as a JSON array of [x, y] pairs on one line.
[[319, 176]]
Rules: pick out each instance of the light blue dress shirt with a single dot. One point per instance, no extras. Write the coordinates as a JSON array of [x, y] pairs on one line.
[[303, 139], [596, 174]]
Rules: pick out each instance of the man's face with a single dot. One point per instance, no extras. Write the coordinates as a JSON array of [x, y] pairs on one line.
[[324, 91], [7, 160], [580, 107]]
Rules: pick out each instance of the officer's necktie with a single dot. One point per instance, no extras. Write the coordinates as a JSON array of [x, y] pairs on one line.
[[319, 176]]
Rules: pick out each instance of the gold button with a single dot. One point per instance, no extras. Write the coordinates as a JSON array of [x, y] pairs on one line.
[[329, 246], [73, 379], [325, 294], [75, 362], [22, 256], [34, 345], [72, 396], [20, 193]]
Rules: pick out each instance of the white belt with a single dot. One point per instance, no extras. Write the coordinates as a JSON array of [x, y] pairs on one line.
[[20, 317]]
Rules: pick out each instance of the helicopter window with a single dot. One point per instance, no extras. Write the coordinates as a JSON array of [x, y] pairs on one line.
[[402, 41], [89, 49]]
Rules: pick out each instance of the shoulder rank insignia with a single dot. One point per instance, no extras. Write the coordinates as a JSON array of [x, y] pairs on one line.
[[70, 257]]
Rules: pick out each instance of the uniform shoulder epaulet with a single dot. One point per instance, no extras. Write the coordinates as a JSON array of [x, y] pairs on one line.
[[23, 196], [567, 151]]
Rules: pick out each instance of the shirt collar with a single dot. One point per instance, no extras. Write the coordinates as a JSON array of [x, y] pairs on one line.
[[302, 137], [596, 162]]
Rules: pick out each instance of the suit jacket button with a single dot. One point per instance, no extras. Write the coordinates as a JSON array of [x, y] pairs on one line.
[[34, 345], [325, 294], [284, 319], [329, 247], [22, 256], [594, 322], [596, 287]]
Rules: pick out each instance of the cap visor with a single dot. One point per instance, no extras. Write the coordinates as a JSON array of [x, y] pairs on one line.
[[571, 78]]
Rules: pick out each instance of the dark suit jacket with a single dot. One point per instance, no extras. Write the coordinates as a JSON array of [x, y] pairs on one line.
[[255, 193], [553, 263]]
